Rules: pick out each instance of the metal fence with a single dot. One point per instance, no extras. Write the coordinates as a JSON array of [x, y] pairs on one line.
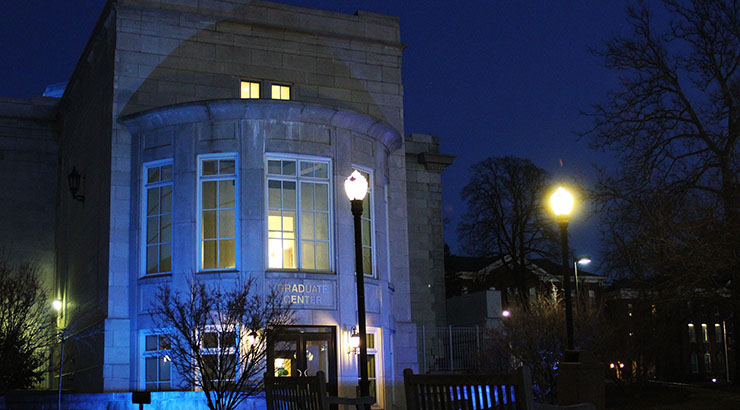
[[449, 348]]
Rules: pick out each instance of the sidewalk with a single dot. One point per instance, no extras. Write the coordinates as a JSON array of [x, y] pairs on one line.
[[671, 396]]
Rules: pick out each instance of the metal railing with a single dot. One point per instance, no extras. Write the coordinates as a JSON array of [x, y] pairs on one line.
[[449, 348]]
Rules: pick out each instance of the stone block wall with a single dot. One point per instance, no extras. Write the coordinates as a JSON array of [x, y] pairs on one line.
[[424, 166]]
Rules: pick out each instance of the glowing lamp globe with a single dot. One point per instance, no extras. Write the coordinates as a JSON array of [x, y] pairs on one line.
[[584, 261], [561, 202], [355, 186], [56, 305]]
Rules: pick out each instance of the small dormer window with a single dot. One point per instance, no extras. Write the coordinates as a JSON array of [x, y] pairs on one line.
[[280, 92], [250, 89]]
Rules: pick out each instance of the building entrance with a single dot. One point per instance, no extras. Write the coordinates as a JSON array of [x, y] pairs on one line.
[[303, 351]]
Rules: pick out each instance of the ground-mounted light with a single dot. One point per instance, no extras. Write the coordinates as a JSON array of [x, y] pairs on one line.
[[505, 313]]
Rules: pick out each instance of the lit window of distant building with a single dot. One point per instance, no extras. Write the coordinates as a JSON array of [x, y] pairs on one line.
[[280, 92], [157, 363], [692, 333], [704, 333], [217, 211], [717, 333], [157, 229], [250, 89], [299, 213]]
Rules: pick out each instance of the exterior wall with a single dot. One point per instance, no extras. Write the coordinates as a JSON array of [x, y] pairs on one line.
[[28, 169], [83, 227], [424, 165]]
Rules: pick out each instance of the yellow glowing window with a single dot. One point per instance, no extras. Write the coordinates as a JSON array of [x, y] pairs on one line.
[[218, 214], [280, 92], [250, 89]]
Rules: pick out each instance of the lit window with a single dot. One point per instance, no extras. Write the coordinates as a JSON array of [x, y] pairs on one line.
[[250, 89], [692, 333], [298, 221], [368, 252], [220, 361], [707, 362], [717, 333], [374, 373], [217, 211], [280, 92], [157, 230], [704, 333], [157, 363]]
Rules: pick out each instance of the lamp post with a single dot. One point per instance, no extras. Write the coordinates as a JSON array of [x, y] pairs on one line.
[[580, 261], [562, 204], [356, 188]]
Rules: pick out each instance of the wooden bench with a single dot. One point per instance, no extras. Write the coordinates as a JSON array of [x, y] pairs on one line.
[[468, 391], [306, 393]]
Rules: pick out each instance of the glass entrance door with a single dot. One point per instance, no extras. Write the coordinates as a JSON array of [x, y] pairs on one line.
[[303, 351]]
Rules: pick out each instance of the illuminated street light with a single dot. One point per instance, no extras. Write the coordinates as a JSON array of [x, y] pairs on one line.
[[57, 305], [356, 188], [584, 260], [562, 205]]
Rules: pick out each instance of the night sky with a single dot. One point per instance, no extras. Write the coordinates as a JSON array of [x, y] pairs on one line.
[[489, 77]]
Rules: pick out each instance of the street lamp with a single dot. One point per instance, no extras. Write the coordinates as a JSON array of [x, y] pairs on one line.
[[356, 188], [562, 205], [584, 260]]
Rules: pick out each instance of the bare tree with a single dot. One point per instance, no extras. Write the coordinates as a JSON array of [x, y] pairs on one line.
[[673, 210], [26, 325], [506, 217], [217, 338]]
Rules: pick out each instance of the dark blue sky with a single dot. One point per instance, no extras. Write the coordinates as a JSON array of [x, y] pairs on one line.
[[489, 77]]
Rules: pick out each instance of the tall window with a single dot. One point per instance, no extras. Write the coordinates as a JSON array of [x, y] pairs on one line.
[[217, 211], [280, 92], [368, 267], [707, 362], [704, 333], [219, 356], [250, 89], [298, 221], [374, 358], [692, 333], [157, 364], [694, 361], [717, 333], [158, 218]]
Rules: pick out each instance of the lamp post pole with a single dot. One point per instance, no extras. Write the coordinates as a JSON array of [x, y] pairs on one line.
[[563, 223], [356, 188], [357, 214]]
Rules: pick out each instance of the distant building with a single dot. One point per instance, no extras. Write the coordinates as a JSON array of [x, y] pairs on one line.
[[212, 142]]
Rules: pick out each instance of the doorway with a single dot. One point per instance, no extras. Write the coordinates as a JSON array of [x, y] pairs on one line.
[[303, 351]]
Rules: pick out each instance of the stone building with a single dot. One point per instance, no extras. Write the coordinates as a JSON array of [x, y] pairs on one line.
[[209, 140]]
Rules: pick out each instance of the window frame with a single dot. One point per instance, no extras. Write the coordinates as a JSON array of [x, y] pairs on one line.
[[692, 333], [199, 209], [371, 204], [377, 353], [259, 89], [278, 84], [330, 205], [215, 351], [143, 219], [154, 353]]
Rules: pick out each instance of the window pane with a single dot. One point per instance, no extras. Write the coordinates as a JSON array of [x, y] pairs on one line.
[[307, 255], [322, 226], [152, 174], [321, 170], [370, 340], [371, 366], [151, 369], [210, 167], [228, 339], [289, 254], [289, 224], [165, 258], [367, 261], [273, 194], [226, 254], [226, 224], [366, 207], [289, 168], [150, 342], [209, 224], [227, 167], [226, 194], [210, 340], [322, 197], [166, 206], [164, 342], [274, 167], [209, 255], [209, 194], [166, 173], [152, 229], [289, 195], [307, 196], [366, 232], [275, 253], [307, 226], [322, 255], [152, 206], [165, 225], [307, 169], [164, 369], [151, 259]]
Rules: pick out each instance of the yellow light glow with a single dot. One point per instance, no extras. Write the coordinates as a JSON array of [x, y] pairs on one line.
[[250, 89], [561, 202], [280, 92], [355, 186], [57, 305]]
